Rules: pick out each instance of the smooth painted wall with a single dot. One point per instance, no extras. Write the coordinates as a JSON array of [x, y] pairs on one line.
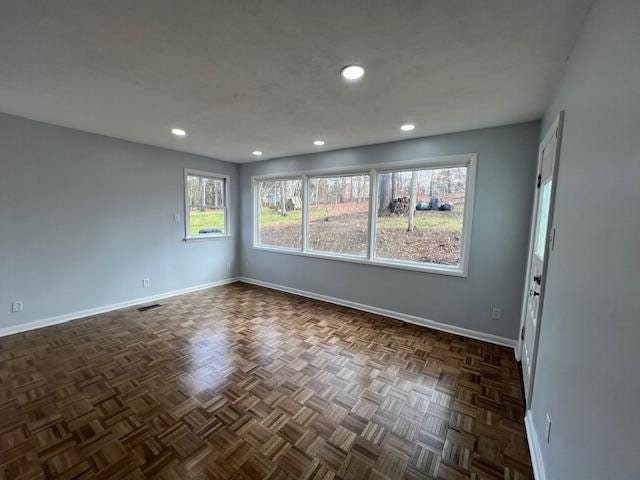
[[84, 218], [503, 199], [589, 351]]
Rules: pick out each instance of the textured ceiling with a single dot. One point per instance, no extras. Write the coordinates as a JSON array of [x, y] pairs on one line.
[[242, 75]]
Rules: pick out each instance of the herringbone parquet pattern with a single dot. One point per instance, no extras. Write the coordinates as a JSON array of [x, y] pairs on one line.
[[247, 383]]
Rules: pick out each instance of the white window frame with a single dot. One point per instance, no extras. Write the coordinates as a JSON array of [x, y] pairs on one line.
[[468, 160], [307, 249], [225, 185], [256, 212]]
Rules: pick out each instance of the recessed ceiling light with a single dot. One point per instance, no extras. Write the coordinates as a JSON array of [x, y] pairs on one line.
[[318, 143], [257, 153], [352, 72], [178, 132], [407, 127]]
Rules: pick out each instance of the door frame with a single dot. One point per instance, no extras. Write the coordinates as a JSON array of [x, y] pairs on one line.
[[555, 128]]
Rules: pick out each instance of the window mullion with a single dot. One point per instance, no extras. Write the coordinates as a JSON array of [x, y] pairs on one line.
[[373, 214], [305, 213]]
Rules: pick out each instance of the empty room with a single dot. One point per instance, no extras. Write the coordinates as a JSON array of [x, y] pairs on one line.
[[320, 239]]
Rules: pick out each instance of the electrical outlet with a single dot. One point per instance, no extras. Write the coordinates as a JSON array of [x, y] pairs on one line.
[[176, 217], [145, 283], [547, 428], [496, 313], [16, 306]]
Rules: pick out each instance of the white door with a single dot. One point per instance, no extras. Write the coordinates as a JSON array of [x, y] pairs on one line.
[[541, 240]]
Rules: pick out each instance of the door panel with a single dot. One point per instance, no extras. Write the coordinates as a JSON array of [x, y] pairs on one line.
[[539, 250]]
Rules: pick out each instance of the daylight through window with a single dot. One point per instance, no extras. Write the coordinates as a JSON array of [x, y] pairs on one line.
[[421, 215], [339, 214], [414, 216], [279, 205], [206, 205]]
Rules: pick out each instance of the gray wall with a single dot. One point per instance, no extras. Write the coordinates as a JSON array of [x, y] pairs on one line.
[[504, 192], [587, 371], [83, 218]]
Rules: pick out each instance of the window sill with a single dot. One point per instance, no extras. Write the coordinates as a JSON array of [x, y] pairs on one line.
[[205, 237], [426, 268]]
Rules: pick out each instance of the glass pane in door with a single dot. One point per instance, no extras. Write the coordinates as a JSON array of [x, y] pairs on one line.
[[543, 218]]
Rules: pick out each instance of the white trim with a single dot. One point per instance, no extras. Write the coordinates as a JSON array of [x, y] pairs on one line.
[[424, 322], [535, 452], [255, 192], [225, 209], [555, 129], [66, 317], [467, 221], [467, 160], [378, 262], [204, 237]]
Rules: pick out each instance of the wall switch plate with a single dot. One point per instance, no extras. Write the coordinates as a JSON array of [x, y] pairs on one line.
[[496, 313], [176, 217], [16, 306], [145, 283], [547, 429]]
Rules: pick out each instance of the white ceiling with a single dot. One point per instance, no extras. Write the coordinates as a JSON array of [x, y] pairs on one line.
[[240, 75]]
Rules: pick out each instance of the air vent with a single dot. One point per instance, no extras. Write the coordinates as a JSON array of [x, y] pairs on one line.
[[149, 307]]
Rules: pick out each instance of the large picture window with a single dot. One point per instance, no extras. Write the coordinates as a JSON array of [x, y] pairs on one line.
[[205, 204], [414, 215]]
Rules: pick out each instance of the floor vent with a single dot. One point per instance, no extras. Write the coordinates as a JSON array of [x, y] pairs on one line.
[[149, 307]]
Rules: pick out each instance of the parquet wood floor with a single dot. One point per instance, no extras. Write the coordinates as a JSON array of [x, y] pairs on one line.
[[244, 382]]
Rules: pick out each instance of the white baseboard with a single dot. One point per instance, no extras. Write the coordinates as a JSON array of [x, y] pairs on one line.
[[465, 332], [534, 448], [518, 350], [424, 322], [67, 317]]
